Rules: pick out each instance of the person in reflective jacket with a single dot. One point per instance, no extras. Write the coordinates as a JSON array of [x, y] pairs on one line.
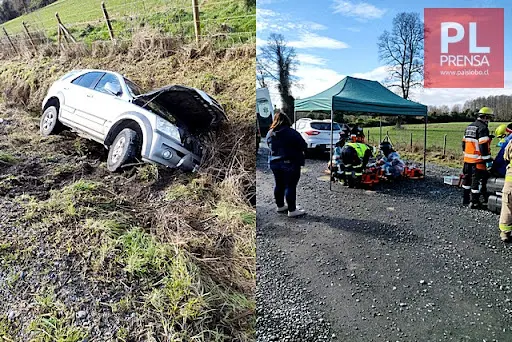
[[476, 145], [287, 151], [355, 157], [336, 165], [499, 165], [506, 199]]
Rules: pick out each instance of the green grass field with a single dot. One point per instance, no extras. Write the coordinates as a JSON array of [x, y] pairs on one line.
[[85, 21], [401, 139]]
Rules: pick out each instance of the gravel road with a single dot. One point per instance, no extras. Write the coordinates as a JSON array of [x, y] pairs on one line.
[[402, 263]]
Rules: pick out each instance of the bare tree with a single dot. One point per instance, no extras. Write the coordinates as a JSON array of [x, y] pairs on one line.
[[456, 108], [402, 50], [278, 61], [260, 74]]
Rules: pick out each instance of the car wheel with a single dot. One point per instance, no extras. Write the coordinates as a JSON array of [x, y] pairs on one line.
[[50, 123], [123, 149]]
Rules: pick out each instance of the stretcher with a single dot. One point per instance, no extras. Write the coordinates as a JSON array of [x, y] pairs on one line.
[[374, 175]]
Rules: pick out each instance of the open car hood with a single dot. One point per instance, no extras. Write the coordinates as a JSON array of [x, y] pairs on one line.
[[192, 107]]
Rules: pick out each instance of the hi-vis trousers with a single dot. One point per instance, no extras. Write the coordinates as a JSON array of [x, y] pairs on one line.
[[475, 182], [506, 204]]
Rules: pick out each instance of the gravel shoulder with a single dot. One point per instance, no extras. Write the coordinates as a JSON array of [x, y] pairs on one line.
[[402, 263]]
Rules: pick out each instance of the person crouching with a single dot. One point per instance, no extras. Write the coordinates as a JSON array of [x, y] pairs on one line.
[[335, 166], [391, 163], [355, 157]]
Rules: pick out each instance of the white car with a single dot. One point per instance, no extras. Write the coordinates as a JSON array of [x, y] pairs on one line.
[[162, 126], [317, 133]]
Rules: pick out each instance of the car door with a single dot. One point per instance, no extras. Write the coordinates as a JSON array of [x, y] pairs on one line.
[[106, 105], [78, 99]]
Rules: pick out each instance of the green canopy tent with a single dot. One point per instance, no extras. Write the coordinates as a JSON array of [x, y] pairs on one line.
[[362, 96]]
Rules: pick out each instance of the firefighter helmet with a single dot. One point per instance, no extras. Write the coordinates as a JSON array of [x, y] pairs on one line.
[[501, 131], [486, 111]]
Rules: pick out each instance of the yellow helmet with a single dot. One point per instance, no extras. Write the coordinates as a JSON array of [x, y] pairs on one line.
[[501, 131], [486, 111]]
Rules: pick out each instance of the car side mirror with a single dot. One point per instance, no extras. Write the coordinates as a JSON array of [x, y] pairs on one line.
[[114, 89]]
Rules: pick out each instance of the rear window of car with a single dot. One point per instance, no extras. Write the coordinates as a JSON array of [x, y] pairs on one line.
[[88, 80], [325, 126], [69, 75]]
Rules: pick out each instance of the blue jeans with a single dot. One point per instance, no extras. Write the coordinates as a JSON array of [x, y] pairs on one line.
[[286, 177]]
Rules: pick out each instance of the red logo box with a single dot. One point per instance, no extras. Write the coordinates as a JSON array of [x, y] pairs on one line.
[[464, 48]]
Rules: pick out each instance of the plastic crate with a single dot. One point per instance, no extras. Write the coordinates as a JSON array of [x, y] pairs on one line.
[[451, 180]]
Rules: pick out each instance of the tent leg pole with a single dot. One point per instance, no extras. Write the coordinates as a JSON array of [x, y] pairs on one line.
[[425, 148], [380, 130], [294, 119], [330, 150]]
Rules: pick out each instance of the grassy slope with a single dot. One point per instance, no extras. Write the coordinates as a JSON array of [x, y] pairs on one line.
[[172, 17], [148, 254], [435, 139]]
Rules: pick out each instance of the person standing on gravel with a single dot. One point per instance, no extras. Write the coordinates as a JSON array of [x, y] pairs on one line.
[[287, 150], [476, 146], [506, 199]]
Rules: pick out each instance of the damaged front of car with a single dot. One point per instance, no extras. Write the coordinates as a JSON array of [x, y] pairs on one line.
[[183, 115]]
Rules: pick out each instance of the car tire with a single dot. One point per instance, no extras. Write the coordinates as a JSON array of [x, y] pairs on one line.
[[123, 150], [50, 123]]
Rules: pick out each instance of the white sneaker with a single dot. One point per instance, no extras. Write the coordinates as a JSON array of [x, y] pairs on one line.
[[296, 213], [282, 209]]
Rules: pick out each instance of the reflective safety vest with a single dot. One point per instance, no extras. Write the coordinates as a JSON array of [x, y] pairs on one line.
[[360, 148], [476, 144]]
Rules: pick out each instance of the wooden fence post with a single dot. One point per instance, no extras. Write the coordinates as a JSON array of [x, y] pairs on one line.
[[411, 141], [368, 136], [58, 37], [109, 25], [64, 29], [10, 41], [29, 36], [444, 145], [197, 24]]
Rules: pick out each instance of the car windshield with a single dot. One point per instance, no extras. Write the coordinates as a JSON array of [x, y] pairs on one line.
[[134, 89], [325, 126]]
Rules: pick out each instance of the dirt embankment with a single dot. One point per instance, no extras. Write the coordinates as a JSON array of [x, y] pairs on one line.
[[147, 255]]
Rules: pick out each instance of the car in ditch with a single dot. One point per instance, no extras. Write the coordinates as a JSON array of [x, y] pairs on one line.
[[163, 126]]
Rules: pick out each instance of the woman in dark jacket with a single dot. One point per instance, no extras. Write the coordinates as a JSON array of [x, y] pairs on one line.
[[286, 157]]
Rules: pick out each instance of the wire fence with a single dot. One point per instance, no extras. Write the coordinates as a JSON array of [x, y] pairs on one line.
[[66, 23]]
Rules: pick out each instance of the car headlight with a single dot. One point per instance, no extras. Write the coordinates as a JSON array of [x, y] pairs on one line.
[[167, 128]]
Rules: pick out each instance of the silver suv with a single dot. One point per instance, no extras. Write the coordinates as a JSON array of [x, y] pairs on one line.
[[317, 133], [162, 126]]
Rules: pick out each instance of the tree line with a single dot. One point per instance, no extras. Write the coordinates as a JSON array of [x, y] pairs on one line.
[[502, 105], [10, 9]]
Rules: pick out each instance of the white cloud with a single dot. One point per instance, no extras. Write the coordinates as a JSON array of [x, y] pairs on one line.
[[378, 74], [310, 59], [268, 20], [260, 42], [265, 19], [313, 40], [360, 10]]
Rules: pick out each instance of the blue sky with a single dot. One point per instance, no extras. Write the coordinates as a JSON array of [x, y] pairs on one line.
[[336, 38]]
